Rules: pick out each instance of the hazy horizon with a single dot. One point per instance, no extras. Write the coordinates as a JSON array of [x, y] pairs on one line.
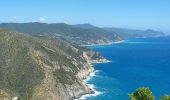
[[131, 14]]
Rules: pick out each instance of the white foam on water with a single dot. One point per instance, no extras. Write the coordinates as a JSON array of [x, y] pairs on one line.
[[91, 86], [137, 42], [108, 61], [117, 42], [90, 76], [96, 93]]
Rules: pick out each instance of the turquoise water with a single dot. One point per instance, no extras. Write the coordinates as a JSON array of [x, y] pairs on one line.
[[134, 63]]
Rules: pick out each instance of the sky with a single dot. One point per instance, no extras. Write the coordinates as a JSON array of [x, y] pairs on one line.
[[135, 14]]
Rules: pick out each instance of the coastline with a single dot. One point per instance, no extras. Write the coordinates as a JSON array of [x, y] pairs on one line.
[[119, 41], [88, 78], [103, 44], [91, 86], [93, 73], [96, 81]]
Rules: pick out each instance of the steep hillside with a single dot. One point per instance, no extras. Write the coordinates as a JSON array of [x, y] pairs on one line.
[[132, 33], [38, 68], [74, 34]]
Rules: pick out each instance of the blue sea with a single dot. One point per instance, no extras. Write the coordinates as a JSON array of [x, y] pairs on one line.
[[139, 62]]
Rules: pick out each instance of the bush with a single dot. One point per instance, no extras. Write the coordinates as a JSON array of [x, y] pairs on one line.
[[141, 94], [165, 97]]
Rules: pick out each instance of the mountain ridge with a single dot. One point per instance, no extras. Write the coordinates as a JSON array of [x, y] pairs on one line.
[[71, 33], [80, 34]]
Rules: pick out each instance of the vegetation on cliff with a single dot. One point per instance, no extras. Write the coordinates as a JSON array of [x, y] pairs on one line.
[[34, 68]]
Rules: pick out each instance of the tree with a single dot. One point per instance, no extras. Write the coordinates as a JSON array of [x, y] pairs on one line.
[[141, 94], [165, 97]]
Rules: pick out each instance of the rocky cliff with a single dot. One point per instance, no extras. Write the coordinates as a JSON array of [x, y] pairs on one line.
[[39, 68]]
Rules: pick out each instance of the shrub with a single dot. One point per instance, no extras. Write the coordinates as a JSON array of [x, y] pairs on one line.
[[165, 97], [141, 94]]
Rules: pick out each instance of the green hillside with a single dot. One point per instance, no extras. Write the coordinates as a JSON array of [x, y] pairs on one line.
[[29, 66], [71, 33]]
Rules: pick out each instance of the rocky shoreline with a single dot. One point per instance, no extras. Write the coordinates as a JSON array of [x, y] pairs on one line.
[[87, 75]]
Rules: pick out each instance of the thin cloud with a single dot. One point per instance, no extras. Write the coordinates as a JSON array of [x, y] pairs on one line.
[[42, 19], [13, 20]]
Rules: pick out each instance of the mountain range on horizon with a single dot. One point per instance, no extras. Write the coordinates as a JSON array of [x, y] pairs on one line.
[[125, 32], [81, 34]]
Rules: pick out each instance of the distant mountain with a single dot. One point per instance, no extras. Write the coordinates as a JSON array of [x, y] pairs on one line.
[[80, 34], [77, 34], [40, 68], [123, 32], [85, 26], [132, 33]]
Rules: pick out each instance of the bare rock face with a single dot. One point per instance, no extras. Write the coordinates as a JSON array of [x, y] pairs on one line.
[[51, 90], [15, 98], [4, 95]]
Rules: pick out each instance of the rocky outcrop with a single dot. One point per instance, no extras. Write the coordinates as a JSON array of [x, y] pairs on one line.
[[93, 57]]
